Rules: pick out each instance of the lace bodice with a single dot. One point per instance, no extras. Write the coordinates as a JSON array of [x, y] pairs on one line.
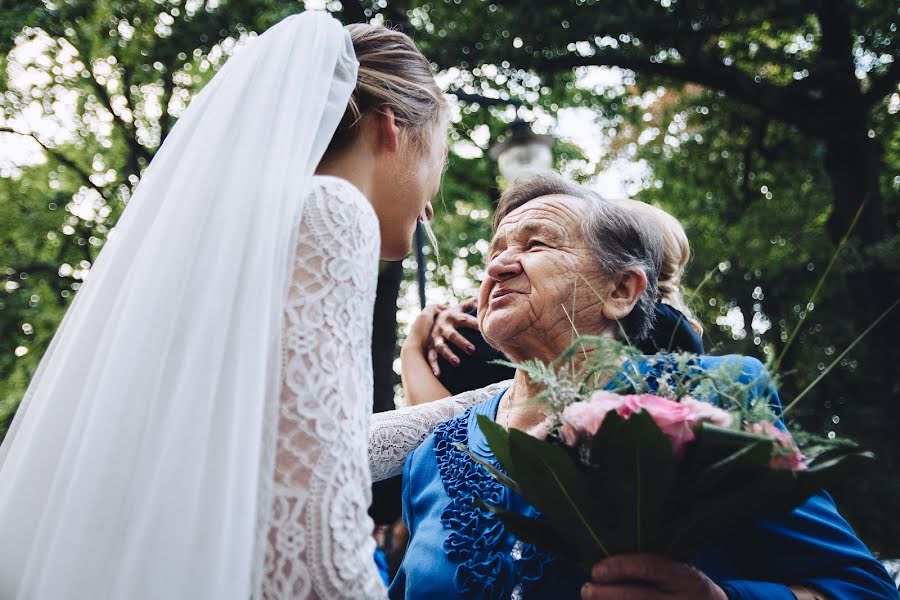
[[316, 525], [319, 534], [396, 433]]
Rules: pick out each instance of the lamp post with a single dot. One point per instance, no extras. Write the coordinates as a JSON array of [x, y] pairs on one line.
[[522, 153], [420, 263]]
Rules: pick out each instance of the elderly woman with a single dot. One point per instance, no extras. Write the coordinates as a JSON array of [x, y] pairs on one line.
[[549, 236], [461, 359]]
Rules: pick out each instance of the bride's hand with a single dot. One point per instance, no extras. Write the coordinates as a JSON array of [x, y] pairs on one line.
[[648, 577]]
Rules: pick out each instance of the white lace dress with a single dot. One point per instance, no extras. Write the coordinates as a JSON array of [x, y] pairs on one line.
[[328, 448], [320, 541]]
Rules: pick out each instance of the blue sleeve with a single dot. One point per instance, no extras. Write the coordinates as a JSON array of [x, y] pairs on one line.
[[755, 590], [382, 564], [397, 588], [405, 498], [811, 545]]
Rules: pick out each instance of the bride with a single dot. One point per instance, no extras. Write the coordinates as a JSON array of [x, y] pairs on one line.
[[199, 425]]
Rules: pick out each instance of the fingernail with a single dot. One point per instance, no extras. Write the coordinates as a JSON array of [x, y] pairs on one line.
[[600, 571], [455, 361], [470, 349], [436, 373]]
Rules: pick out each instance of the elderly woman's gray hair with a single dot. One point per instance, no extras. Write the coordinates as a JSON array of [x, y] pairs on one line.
[[620, 239]]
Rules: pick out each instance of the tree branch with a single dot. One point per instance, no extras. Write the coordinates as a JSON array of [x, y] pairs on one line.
[[166, 121], [60, 158], [780, 102], [33, 269], [129, 131]]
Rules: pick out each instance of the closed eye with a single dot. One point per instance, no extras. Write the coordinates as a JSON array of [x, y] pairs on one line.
[[536, 244]]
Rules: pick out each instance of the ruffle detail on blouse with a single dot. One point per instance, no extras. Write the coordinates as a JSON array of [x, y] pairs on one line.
[[477, 537]]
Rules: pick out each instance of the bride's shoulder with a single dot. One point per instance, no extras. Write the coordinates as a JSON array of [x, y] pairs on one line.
[[337, 190], [336, 199], [336, 207]]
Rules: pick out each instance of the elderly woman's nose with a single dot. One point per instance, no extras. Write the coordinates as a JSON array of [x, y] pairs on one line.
[[503, 266]]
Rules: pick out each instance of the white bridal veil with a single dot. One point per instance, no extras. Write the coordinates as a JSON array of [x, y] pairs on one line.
[[137, 467]]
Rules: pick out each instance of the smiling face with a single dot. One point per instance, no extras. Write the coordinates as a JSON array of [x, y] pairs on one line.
[[537, 258]]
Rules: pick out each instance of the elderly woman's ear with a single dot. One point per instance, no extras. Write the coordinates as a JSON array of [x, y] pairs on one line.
[[626, 288]]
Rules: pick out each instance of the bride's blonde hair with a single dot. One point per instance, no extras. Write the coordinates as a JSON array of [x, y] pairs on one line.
[[675, 257], [393, 73]]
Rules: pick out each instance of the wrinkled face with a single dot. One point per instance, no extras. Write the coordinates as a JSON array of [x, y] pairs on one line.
[[412, 180], [539, 276]]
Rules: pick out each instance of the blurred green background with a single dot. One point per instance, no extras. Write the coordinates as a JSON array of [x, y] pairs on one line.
[[762, 126]]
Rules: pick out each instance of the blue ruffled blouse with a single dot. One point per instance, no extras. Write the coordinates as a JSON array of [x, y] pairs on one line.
[[457, 550]]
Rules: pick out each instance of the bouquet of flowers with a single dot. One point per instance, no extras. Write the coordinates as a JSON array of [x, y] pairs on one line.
[[659, 461]]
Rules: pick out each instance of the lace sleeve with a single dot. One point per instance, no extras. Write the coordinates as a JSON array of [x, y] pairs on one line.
[[320, 542], [396, 433]]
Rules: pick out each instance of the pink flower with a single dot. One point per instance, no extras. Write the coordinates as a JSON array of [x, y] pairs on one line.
[[677, 420], [706, 412], [673, 419], [581, 420], [786, 456]]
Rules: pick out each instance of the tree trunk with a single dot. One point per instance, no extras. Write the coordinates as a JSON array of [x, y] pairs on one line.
[[384, 334], [851, 162], [386, 503]]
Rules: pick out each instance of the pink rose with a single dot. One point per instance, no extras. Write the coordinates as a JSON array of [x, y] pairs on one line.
[[581, 420], [672, 418], [786, 456], [706, 412]]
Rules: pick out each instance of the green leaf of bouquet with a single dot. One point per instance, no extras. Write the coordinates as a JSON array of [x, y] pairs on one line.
[[751, 458], [491, 469], [553, 484], [765, 493], [828, 458], [719, 458], [498, 440], [537, 532], [717, 444], [636, 466]]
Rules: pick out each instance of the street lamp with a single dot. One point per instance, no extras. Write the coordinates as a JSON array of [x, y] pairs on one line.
[[523, 152]]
